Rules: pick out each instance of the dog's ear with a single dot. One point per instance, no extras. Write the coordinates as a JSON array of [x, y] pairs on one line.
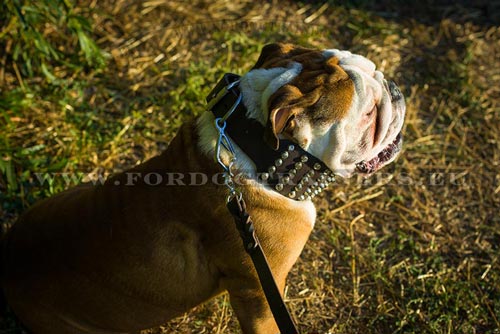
[[272, 53], [282, 111]]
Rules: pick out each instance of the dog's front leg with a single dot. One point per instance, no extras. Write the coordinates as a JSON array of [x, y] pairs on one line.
[[253, 312], [250, 305]]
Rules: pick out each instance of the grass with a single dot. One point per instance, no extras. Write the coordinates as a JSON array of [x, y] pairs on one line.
[[413, 249]]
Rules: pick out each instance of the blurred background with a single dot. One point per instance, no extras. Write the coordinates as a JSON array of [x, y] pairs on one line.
[[88, 88]]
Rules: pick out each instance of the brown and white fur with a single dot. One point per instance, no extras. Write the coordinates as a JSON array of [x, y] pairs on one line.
[[119, 258]]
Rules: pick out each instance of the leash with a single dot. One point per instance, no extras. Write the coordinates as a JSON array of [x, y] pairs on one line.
[[244, 224]]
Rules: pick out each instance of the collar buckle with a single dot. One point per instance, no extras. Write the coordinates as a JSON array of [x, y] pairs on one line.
[[224, 86]]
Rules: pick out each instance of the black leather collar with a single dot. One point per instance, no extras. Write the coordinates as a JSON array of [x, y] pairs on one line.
[[290, 170]]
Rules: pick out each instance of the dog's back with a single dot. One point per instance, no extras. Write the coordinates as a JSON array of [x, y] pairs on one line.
[[108, 258]]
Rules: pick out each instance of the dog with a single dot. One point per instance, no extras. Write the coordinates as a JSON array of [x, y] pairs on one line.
[[129, 254]]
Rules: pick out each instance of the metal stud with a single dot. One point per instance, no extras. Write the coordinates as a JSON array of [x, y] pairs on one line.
[[292, 172], [278, 162], [322, 185], [284, 155], [330, 179], [309, 191], [292, 194], [279, 187], [305, 179], [286, 179], [302, 197], [304, 158], [291, 147], [317, 166], [271, 169], [315, 184], [298, 187], [310, 173], [298, 165], [264, 176]]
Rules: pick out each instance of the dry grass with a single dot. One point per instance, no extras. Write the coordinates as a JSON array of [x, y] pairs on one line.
[[414, 249]]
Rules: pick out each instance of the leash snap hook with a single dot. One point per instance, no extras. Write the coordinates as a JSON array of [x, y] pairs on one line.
[[224, 141]]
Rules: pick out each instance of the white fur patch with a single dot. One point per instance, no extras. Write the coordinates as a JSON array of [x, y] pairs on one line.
[[259, 84], [347, 58]]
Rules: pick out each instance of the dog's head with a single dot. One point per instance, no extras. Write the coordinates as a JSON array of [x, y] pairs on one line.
[[333, 103]]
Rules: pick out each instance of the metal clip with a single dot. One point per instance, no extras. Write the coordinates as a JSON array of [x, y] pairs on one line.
[[224, 141]]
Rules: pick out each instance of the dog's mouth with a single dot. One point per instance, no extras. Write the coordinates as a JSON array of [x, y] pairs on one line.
[[383, 158], [390, 152]]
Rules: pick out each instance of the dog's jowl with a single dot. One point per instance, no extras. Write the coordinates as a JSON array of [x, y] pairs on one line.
[[125, 256]]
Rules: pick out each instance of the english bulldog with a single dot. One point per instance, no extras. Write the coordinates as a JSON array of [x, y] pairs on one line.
[[130, 254]]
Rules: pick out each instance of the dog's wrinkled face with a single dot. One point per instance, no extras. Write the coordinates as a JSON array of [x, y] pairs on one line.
[[333, 103]]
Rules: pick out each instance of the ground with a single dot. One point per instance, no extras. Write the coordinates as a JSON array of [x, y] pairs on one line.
[[414, 249]]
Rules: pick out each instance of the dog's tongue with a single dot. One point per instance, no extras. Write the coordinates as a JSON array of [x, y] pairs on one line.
[[371, 166]]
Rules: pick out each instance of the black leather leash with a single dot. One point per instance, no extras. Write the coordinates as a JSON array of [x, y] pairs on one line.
[[244, 224], [274, 167]]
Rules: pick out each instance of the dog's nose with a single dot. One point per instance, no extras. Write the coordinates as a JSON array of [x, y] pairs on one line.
[[394, 91]]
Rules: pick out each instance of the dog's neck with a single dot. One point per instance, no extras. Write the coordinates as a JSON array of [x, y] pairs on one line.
[[291, 171]]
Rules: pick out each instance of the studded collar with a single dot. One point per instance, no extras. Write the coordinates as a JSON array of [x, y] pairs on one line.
[[289, 170]]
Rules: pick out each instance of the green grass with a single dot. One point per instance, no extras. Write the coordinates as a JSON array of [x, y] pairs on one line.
[[411, 250]]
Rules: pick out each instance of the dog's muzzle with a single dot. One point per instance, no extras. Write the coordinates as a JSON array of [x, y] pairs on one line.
[[389, 153]]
